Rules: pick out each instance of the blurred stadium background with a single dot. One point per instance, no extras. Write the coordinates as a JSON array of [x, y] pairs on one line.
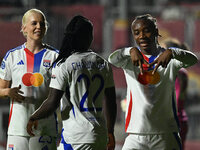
[[111, 18]]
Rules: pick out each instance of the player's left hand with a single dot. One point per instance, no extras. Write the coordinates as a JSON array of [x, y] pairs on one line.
[[30, 126], [162, 60], [111, 141]]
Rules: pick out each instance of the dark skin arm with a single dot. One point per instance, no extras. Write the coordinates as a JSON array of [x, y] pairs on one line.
[[46, 109], [110, 112], [163, 60], [137, 58]]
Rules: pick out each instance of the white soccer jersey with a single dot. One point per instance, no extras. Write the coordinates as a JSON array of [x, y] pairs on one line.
[[151, 101], [87, 75], [29, 70]]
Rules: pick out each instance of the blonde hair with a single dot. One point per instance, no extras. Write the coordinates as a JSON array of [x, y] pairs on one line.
[[27, 14]]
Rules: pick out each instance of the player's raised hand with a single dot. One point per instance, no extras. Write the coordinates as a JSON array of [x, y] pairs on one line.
[[162, 60], [111, 141], [30, 125], [15, 94], [137, 58]]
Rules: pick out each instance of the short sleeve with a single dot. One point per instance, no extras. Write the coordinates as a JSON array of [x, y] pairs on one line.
[[59, 77], [5, 71]]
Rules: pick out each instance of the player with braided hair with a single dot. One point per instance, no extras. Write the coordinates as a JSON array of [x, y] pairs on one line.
[[150, 72], [86, 78]]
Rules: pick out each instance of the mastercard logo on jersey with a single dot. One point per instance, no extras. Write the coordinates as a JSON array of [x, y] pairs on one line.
[[33, 79], [148, 78]]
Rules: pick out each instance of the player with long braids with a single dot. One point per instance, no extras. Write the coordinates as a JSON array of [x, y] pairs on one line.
[[85, 78]]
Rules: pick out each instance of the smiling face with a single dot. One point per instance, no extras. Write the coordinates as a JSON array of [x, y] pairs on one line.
[[145, 34], [34, 27]]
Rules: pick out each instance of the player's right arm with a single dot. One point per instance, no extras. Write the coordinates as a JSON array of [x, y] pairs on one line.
[[119, 57], [137, 58], [13, 93], [46, 109], [6, 79]]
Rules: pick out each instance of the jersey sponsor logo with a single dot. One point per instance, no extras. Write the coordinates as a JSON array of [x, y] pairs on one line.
[[10, 147], [20, 62], [46, 63], [33, 79], [3, 65], [148, 78]]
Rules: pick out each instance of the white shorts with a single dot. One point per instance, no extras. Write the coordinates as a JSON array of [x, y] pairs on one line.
[[31, 143], [169, 141], [80, 146], [100, 145]]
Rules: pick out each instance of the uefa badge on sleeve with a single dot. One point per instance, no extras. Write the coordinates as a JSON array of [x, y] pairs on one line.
[[3, 65]]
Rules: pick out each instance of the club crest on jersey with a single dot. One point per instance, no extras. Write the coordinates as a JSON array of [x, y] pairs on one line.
[[46, 63], [3, 65]]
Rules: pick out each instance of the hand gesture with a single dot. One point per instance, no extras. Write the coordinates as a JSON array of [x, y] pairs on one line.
[[15, 94], [111, 141], [162, 60], [30, 126], [137, 58]]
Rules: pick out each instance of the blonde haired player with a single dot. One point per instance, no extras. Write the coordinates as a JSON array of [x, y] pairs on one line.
[[25, 78]]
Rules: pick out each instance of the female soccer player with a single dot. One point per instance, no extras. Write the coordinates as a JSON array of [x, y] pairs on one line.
[[85, 77], [150, 71], [25, 78]]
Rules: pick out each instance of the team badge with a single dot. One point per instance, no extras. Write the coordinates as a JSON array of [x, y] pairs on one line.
[[46, 63], [148, 78], [33, 79]]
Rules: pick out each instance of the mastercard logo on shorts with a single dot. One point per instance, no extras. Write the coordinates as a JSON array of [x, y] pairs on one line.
[[149, 78], [33, 79]]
